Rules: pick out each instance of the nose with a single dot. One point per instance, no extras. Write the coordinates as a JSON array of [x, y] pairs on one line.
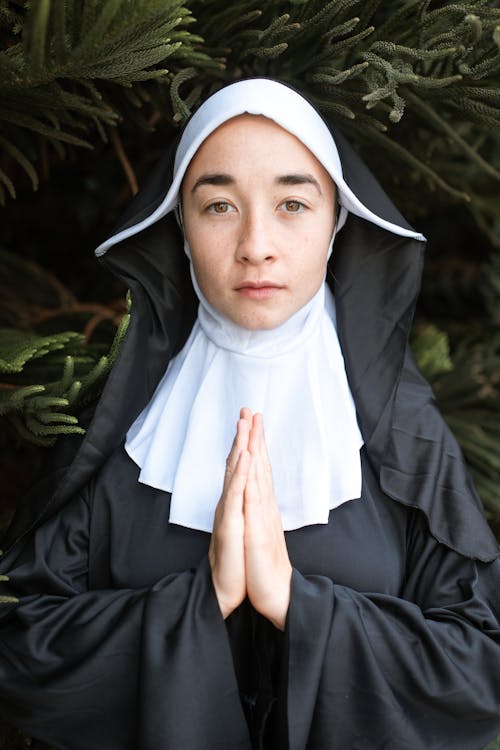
[[256, 244]]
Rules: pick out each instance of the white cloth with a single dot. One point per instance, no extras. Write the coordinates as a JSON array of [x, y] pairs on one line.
[[294, 375], [261, 96]]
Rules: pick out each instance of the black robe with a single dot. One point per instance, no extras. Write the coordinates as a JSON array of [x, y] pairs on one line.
[[392, 639]]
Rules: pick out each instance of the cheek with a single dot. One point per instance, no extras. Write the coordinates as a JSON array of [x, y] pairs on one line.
[[209, 274], [315, 253]]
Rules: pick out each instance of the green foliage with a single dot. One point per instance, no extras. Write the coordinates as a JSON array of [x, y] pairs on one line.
[[414, 84], [432, 72], [415, 81], [69, 70], [46, 379], [469, 398], [6, 599], [432, 351], [467, 387]]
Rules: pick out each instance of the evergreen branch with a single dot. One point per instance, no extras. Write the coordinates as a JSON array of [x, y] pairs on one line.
[[18, 347], [267, 53], [32, 123], [102, 16], [25, 434], [124, 161], [48, 431], [14, 400], [9, 66], [5, 180], [181, 110], [480, 112], [87, 16], [390, 146], [487, 94], [332, 77], [38, 403], [431, 115], [350, 42], [335, 108], [120, 334], [481, 69], [322, 17], [324, 57], [421, 55], [14, 152], [141, 75], [226, 21], [432, 350], [368, 11], [51, 418], [476, 27], [278, 27], [337, 8], [10, 18], [36, 38], [59, 21], [64, 46]]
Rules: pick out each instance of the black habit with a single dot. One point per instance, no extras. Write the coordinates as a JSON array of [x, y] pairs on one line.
[[392, 639]]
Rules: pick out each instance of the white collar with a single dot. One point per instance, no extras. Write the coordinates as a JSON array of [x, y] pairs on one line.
[[182, 438]]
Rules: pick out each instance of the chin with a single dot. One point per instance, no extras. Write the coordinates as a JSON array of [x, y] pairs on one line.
[[262, 322]]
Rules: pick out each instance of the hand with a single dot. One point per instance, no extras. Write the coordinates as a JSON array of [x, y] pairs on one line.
[[226, 551], [267, 565]]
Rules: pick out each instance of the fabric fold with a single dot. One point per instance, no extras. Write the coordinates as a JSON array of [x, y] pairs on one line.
[[191, 420]]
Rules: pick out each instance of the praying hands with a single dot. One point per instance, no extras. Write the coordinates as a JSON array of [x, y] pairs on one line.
[[248, 554]]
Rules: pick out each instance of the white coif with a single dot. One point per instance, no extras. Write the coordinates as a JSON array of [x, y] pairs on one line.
[[283, 105], [182, 438]]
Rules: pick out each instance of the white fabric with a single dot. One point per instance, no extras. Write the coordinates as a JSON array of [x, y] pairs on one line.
[[294, 374], [182, 438], [261, 96]]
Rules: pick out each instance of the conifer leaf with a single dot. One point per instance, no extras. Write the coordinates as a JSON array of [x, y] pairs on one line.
[[37, 39], [18, 347], [16, 154]]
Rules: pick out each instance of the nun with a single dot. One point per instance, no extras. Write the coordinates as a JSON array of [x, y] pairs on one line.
[[267, 538]]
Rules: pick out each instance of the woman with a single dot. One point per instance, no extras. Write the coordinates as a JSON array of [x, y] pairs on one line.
[[333, 583]]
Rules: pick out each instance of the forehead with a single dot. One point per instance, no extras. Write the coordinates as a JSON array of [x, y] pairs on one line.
[[251, 140]]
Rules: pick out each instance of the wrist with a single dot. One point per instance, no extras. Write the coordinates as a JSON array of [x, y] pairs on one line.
[[278, 610]]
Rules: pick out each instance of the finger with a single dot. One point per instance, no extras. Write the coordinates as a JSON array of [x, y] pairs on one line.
[[255, 436], [238, 480], [253, 494], [258, 448], [233, 492], [245, 413], [240, 443]]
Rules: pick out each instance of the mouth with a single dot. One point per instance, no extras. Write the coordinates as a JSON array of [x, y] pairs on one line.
[[259, 290]]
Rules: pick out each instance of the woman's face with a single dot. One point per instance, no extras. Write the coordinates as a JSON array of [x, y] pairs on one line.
[[258, 211]]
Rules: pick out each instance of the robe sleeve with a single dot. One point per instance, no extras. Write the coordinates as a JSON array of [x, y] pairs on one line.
[[420, 671], [115, 669]]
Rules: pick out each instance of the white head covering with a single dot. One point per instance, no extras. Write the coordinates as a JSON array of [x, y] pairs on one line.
[[261, 96], [293, 374]]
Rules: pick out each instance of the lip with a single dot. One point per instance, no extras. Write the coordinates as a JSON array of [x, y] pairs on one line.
[[259, 290]]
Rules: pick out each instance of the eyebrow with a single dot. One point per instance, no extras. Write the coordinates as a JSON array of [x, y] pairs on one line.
[[299, 179], [220, 178], [213, 179]]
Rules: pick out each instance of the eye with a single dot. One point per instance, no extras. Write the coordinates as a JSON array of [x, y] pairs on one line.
[[293, 206], [219, 207]]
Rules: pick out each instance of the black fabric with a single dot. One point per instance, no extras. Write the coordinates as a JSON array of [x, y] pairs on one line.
[[392, 639]]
